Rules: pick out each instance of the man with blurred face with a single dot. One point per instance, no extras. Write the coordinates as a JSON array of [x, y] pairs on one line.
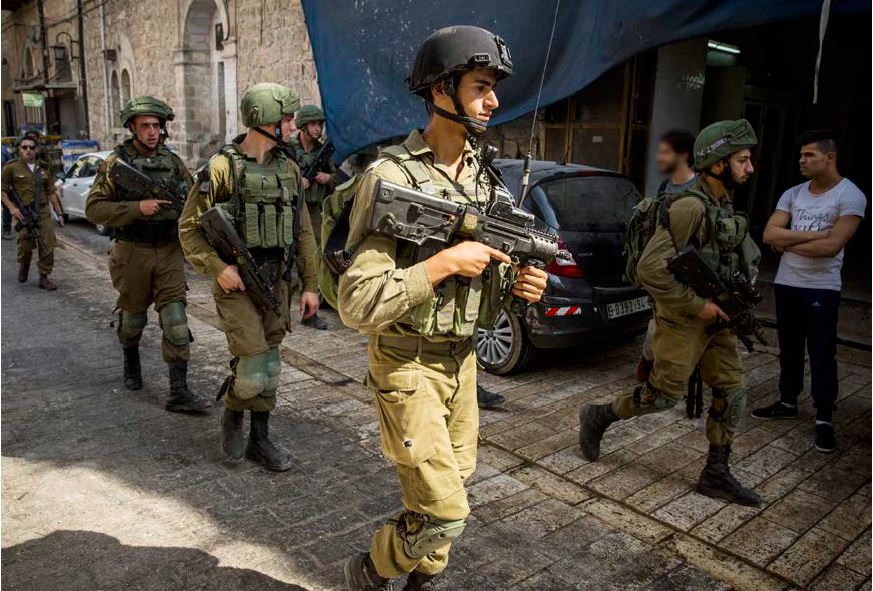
[[812, 223]]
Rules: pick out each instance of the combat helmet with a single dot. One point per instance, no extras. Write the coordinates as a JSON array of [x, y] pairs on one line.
[[446, 54], [266, 103], [721, 139], [307, 114], [146, 105]]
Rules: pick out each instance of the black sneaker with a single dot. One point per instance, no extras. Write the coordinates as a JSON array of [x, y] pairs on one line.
[[777, 410], [825, 441]]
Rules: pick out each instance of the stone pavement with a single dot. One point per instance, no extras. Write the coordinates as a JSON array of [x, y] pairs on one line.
[[103, 489]]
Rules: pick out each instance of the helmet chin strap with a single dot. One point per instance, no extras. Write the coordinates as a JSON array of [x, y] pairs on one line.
[[473, 126], [276, 137]]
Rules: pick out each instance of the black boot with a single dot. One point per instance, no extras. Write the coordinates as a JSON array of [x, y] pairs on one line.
[[181, 399], [233, 441], [315, 321], [593, 421], [261, 450], [716, 480], [488, 399], [420, 582], [132, 369], [361, 575], [23, 272]]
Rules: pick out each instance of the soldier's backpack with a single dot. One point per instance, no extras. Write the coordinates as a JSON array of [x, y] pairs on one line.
[[336, 211]]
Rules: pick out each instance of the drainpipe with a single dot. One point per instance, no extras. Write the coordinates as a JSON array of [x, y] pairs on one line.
[[43, 42], [83, 79], [107, 107]]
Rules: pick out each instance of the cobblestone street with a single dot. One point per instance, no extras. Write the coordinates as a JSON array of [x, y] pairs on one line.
[[104, 489]]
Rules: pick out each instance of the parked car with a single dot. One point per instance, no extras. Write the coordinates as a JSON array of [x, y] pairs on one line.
[[74, 184], [586, 299]]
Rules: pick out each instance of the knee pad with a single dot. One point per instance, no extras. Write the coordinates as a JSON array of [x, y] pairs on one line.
[[423, 534], [250, 376], [131, 325], [648, 399], [272, 367], [174, 323], [735, 399]]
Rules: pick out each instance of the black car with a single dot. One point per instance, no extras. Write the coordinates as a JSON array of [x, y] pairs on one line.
[[586, 299]]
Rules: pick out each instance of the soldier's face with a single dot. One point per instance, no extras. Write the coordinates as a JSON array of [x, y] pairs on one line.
[[286, 126], [475, 92], [147, 129], [740, 164], [314, 128], [27, 150]]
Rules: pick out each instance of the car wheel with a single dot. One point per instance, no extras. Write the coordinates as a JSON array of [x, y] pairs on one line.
[[505, 348], [102, 229]]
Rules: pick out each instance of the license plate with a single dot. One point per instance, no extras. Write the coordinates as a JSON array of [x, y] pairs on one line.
[[618, 309]]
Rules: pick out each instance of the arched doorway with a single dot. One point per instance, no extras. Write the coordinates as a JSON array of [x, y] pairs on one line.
[[204, 89]]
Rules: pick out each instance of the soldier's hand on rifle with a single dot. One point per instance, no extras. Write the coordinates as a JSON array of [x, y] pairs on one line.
[[149, 207], [530, 284], [16, 213], [711, 310], [322, 178], [308, 304], [229, 279], [467, 259], [305, 182]]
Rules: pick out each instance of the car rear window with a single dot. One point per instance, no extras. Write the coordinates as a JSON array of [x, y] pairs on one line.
[[584, 203]]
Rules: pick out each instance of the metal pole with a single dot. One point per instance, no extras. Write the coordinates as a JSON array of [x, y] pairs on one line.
[[42, 40], [83, 79]]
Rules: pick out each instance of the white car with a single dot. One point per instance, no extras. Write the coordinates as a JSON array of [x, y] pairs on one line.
[[73, 186]]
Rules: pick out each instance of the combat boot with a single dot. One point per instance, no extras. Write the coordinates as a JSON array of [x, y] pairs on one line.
[[233, 442], [181, 399], [420, 582], [716, 480], [23, 272], [361, 575], [593, 421], [315, 321], [261, 450], [488, 399], [132, 368], [46, 283]]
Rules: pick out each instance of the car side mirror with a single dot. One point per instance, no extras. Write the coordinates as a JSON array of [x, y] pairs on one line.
[[60, 176]]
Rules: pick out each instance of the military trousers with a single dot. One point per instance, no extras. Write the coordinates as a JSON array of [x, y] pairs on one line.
[[679, 345], [45, 246], [429, 427], [144, 274], [251, 332]]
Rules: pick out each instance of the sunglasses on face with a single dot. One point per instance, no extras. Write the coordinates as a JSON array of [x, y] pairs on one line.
[[28, 147]]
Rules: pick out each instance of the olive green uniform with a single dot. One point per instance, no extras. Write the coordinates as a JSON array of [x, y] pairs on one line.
[[27, 184], [421, 361], [267, 192], [315, 194], [146, 264], [680, 341]]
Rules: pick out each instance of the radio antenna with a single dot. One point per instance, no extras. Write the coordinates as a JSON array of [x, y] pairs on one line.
[[525, 178]]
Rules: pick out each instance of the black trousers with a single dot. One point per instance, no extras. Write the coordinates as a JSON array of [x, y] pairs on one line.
[[807, 322], [7, 218]]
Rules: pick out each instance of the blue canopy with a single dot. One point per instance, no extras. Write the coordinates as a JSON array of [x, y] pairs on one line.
[[364, 49]]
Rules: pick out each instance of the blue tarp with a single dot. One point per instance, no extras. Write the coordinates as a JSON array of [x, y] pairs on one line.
[[364, 48]]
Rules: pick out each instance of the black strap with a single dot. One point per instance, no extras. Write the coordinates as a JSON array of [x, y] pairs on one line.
[[37, 187]]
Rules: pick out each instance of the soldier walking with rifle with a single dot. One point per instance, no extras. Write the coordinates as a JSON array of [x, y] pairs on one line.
[[699, 267], [420, 301], [28, 188], [244, 225], [139, 191], [318, 173]]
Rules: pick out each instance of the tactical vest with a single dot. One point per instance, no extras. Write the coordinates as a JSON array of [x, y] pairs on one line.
[[315, 193], [459, 301], [728, 248], [163, 226], [263, 202]]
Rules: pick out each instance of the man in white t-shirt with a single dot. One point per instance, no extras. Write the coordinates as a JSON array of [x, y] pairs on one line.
[[811, 225]]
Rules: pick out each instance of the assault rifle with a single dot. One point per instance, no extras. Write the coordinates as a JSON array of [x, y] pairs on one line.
[[319, 163], [29, 221], [221, 233], [142, 187], [738, 300]]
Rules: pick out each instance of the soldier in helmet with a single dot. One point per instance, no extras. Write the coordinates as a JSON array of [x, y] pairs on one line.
[[31, 180], [421, 311], [701, 215], [254, 179], [306, 142], [146, 262]]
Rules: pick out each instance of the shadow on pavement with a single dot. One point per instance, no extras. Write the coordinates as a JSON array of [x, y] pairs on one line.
[[85, 560]]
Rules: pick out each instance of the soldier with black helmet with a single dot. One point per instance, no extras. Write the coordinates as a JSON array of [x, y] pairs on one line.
[[258, 185], [420, 310], [703, 216], [146, 263]]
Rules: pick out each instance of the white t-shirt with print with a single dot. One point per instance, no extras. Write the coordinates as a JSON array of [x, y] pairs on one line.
[[811, 212]]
